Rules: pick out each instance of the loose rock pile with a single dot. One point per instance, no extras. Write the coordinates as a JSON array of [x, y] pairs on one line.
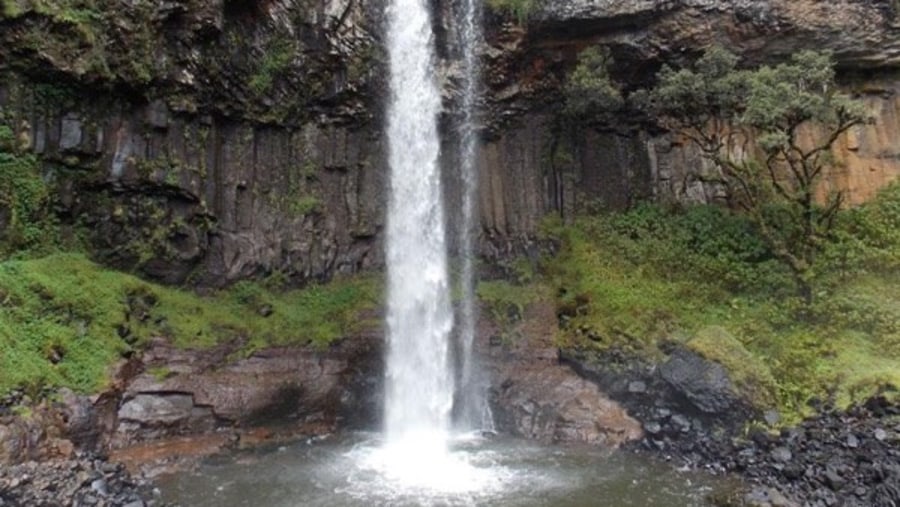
[[847, 459], [85, 481]]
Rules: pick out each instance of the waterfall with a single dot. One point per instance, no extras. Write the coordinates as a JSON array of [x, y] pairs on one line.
[[474, 411], [419, 383]]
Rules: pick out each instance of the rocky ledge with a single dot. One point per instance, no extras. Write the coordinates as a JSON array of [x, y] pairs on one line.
[[166, 392]]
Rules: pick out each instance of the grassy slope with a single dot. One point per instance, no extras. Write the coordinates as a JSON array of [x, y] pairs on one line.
[[634, 281], [62, 318]]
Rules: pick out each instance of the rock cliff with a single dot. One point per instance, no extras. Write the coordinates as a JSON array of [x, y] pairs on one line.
[[205, 142]]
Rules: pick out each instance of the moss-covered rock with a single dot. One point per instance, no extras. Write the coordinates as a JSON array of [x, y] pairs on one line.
[[750, 376]]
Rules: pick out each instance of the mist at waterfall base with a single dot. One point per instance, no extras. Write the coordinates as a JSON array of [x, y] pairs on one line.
[[343, 472]]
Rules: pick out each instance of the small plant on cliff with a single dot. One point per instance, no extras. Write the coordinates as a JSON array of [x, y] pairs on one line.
[[521, 9], [276, 59], [754, 126]]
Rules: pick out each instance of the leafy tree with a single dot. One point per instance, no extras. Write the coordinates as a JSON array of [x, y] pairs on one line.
[[590, 91], [748, 124]]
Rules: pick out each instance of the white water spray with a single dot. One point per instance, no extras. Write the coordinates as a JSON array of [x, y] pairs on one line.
[[475, 411], [419, 384]]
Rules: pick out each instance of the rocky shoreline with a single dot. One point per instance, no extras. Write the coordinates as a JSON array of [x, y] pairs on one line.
[[847, 459], [837, 458], [693, 418], [684, 411], [85, 480]]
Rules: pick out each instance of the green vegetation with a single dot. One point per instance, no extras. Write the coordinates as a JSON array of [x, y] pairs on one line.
[[304, 205], [521, 9], [275, 60], [702, 276], [507, 302], [749, 373], [10, 9], [65, 320], [87, 35], [749, 123], [26, 221], [590, 92], [79, 13]]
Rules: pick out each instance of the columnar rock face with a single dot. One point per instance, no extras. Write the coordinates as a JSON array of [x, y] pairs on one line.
[[206, 142], [610, 165], [236, 141], [207, 199]]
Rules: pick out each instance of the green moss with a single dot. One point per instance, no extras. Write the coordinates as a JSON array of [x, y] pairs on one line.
[[64, 320], [88, 35], [276, 58], [160, 373], [507, 303], [506, 300], [521, 9], [362, 62], [54, 96], [10, 8], [298, 196], [26, 221], [304, 205]]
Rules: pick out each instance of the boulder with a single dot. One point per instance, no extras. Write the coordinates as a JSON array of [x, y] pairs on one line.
[[705, 383]]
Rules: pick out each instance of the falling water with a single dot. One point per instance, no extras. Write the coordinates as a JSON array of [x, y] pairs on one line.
[[419, 384], [474, 410]]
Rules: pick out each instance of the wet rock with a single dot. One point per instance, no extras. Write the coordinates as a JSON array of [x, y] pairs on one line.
[[652, 428], [277, 385], [681, 423], [834, 480], [811, 464], [100, 487], [767, 497], [157, 408], [82, 426], [70, 133], [536, 397]]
